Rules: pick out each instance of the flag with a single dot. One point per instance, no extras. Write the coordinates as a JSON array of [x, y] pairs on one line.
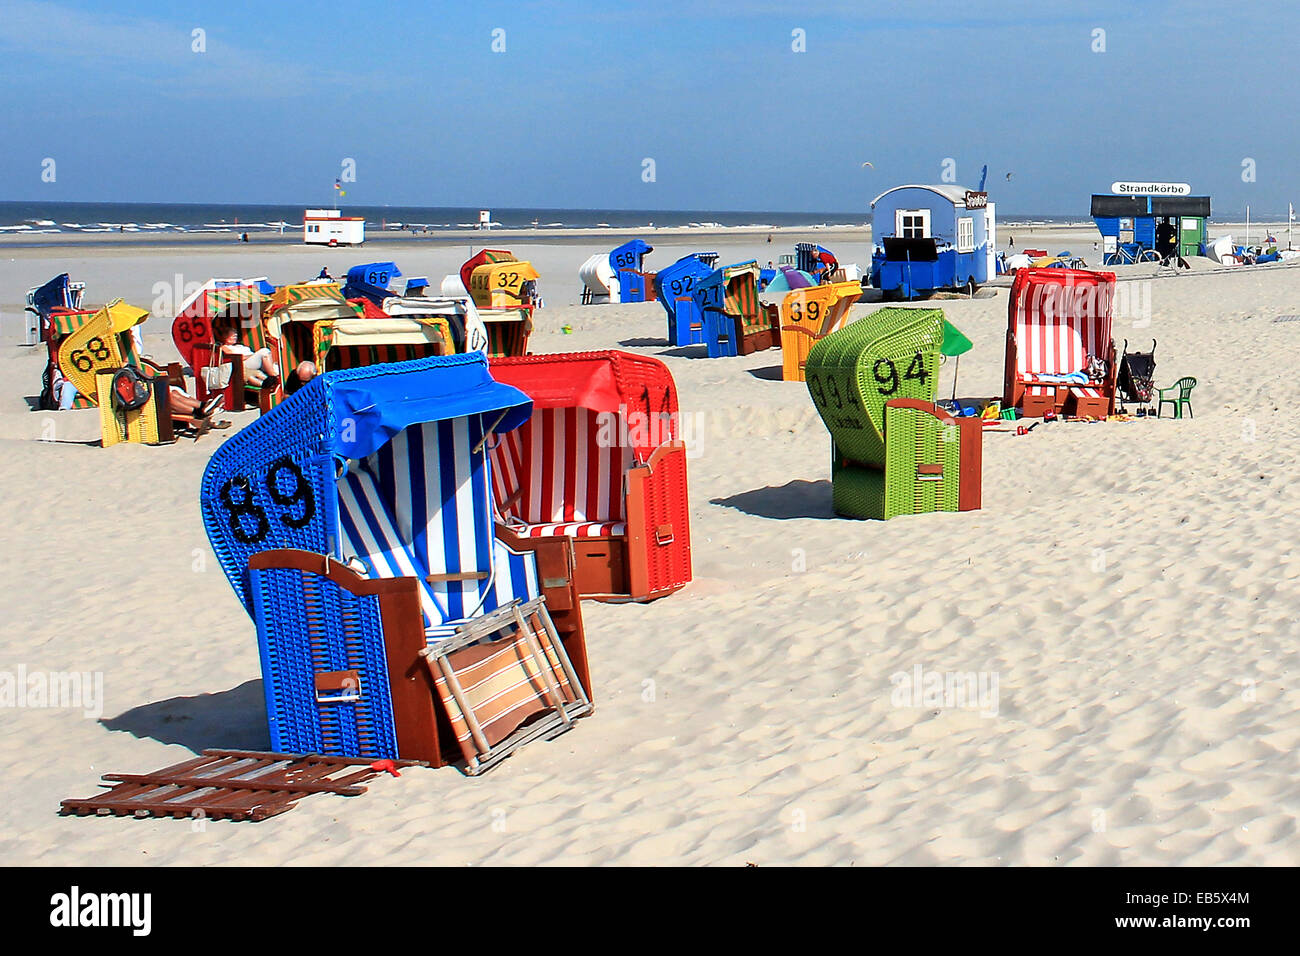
[[338, 187]]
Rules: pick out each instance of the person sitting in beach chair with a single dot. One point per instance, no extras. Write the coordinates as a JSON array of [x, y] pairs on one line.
[[259, 367]]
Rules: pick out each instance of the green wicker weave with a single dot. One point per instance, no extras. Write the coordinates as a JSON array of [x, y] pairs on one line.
[[878, 454]]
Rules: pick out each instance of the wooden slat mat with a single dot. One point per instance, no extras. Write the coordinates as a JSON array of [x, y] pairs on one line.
[[231, 785]]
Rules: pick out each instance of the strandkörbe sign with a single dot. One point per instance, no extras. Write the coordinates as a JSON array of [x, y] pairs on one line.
[[1150, 189]]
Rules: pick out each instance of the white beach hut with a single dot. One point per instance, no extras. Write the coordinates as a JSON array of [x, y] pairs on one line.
[[329, 227]]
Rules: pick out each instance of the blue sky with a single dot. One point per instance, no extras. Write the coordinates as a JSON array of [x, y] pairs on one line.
[[713, 92]]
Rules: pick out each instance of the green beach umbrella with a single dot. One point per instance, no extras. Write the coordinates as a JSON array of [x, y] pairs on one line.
[[954, 343]]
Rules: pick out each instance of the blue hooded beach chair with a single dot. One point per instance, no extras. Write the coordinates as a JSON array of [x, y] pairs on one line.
[[674, 286], [626, 261], [371, 281], [356, 524]]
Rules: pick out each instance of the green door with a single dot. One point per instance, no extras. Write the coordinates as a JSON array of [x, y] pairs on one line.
[[1191, 233]]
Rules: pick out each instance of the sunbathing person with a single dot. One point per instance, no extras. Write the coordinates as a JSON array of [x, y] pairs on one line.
[[258, 366], [181, 404], [303, 374]]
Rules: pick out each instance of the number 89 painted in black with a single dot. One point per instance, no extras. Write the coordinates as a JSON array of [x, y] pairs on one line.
[[300, 495]]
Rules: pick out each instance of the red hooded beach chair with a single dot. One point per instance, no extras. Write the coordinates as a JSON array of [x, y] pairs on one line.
[[600, 462], [1060, 354]]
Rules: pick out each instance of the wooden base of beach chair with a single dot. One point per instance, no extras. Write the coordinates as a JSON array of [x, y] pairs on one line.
[[1084, 404], [1040, 399], [750, 342], [504, 680], [150, 424], [375, 702]]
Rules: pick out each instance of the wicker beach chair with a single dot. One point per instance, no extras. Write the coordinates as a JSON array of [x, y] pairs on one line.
[[104, 340], [223, 303], [1060, 355], [735, 321], [893, 451], [600, 462], [356, 526], [626, 261], [809, 315], [61, 322], [674, 287]]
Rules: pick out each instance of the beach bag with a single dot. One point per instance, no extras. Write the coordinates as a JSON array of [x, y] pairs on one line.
[[216, 374], [131, 390]]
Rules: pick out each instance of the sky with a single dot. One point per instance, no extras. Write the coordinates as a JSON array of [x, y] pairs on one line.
[[740, 106]]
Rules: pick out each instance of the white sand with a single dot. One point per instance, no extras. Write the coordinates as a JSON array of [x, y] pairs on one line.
[[1131, 586]]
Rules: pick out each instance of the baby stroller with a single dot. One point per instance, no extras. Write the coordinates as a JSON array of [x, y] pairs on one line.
[[1137, 376]]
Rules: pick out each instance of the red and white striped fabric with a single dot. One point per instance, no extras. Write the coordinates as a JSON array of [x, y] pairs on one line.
[[567, 466], [1082, 392], [1040, 390], [577, 529], [1058, 325]]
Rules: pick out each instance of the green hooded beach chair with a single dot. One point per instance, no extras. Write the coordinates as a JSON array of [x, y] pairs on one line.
[[893, 451]]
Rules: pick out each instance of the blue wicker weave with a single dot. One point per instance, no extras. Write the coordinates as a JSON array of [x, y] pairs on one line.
[[272, 484], [306, 625], [709, 296], [379, 455]]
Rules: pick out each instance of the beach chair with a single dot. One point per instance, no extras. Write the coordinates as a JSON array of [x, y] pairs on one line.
[[105, 339], [626, 261], [893, 451], [369, 282], [1060, 356], [98, 348], [674, 287], [355, 524], [811, 314], [61, 323], [482, 257], [222, 303], [600, 462], [58, 293], [315, 323], [503, 284], [735, 321]]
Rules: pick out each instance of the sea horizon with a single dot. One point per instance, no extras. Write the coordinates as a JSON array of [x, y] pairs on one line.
[[37, 217]]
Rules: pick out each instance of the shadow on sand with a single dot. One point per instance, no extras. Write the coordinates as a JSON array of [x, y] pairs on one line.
[[232, 719], [795, 499]]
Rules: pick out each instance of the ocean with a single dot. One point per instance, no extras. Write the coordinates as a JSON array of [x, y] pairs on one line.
[[65, 217], [36, 218]]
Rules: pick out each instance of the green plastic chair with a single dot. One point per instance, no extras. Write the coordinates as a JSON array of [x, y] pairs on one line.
[[1179, 395], [893, 450]]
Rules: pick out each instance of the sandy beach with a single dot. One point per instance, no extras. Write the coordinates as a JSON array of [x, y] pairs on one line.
[[1128, 588]]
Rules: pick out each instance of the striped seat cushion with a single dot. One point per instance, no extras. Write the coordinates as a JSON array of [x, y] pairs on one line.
[[1041, 390], [1057, 327], [1080, 391], [419, 506], [562, 471], [577, 529]]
